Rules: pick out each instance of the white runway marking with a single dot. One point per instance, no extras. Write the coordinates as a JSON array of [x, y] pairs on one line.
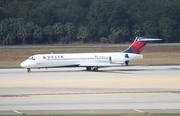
[[141, 111], [16, 111]]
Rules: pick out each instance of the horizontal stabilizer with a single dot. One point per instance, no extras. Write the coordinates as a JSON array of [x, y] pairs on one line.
[[141, 39]]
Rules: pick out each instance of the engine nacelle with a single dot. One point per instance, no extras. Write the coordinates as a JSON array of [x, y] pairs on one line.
[[117, 60], [124, 58]]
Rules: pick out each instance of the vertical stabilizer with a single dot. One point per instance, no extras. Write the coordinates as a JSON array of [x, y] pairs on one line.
[[139, 44]]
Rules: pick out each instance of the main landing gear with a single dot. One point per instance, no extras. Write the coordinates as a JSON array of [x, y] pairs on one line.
[[28, 70], [127, 59], [92, 68]]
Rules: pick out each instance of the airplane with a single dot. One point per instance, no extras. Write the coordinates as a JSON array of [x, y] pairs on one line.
[[91, 61]]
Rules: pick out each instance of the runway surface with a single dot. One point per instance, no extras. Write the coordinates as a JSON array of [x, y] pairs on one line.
[[133, 89]]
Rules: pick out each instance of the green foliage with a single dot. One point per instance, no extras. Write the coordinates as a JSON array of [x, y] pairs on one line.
[[16, 31], [82, 33], [103, 40], [106, 21], [119, 35], [150, 28], [104, 15], [70, 31], [113, 38]]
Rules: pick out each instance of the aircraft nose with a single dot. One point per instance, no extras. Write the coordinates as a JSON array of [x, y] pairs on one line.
[[24, 64]]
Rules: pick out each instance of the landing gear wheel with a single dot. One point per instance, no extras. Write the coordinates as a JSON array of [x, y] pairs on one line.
[[127, 59], [88, 68], [95, 69], [127, 63], [28, 70]]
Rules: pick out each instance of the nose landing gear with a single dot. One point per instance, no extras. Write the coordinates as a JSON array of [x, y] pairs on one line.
[[28, 70]]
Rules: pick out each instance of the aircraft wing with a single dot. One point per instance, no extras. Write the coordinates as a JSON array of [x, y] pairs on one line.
[[98, 64]]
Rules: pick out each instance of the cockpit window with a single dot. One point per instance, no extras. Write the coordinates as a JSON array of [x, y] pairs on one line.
[[31, 58]]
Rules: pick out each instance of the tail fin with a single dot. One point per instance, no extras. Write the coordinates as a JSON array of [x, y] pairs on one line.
[[139, 43]]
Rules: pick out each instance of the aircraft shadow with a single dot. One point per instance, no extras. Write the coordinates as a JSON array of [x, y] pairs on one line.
[[121, 71], [124, 71]]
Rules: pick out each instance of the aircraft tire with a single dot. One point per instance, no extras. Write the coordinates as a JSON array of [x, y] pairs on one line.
[[28, 70], [88, 68], [95, 69], [127, 63]]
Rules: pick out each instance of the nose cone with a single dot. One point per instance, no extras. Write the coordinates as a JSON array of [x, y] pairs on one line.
[[24, 64]]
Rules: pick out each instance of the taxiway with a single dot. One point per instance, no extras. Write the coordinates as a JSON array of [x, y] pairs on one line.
[[133, 89]]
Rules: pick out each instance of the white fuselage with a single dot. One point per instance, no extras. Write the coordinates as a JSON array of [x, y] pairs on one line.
[[78, 59]]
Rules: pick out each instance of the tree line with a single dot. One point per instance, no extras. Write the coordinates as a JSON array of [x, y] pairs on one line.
[[87, 21]]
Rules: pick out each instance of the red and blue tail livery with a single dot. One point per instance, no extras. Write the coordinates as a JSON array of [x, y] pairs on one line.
[[139, 43]]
